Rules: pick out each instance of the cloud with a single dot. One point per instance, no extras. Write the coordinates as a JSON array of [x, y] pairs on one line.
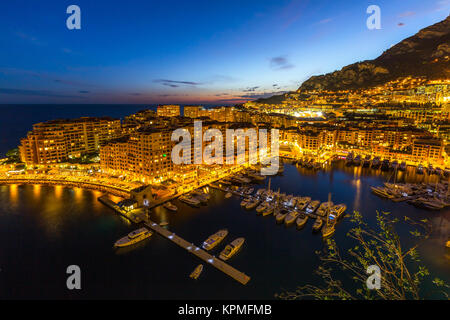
[[280, 63], [41, 93], [324, 21], [258, 95], [406, 14], [29, 38], [84, 91], [176, 83], [400, 24], [251, 89], [134, 94]]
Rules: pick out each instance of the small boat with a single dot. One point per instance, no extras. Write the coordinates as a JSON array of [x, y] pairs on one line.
[[382, 192], [312, 206], [231, 249], [324, 208], [228, 195], [214, 239], [262, 207], [170, 206], [190, 200], [301, 220], [133, 237], [329, 227], [269, 209], [281, 215], [249, 191], [245, 202], [338, 210], [402, 166], [252, 204], [197, 272], [290, 218], [302, 203], [317, 224]]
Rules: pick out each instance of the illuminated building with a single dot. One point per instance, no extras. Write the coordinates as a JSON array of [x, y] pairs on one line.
[[58, 140], [168, 111]]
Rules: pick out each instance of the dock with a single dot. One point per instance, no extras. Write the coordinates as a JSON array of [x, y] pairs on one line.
[[200, 253]]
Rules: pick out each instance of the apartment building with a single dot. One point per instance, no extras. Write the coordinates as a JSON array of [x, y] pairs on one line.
[[56, 141], [168, 111]]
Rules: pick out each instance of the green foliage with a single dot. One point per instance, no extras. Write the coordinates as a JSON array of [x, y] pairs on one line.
[[402, 276], [13, 156]]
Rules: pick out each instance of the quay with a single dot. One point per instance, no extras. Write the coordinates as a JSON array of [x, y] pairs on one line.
[[200, 253]]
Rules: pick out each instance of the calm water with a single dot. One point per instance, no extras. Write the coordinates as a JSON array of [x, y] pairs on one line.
[[45, 229]]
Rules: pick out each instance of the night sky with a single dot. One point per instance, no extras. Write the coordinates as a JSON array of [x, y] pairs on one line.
[[210, 52]]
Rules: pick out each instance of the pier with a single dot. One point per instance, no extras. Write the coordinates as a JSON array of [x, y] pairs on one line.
[[197, 251]]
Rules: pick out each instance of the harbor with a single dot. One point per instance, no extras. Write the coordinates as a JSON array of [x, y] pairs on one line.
[[79, 229]]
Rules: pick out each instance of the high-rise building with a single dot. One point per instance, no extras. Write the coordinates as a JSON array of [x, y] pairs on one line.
[[56, 141]]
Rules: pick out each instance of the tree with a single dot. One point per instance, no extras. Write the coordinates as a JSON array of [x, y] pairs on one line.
[[402, 275]]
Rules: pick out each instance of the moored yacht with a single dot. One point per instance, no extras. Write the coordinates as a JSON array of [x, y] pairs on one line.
[[312, 206], [290, 218], [261, 207], [301, 220], [170, 206], [133, 237], [190, 200], [252, 204], [245, 201], [269, 209], [302, 202], [281, 215], [197, 271], [338, 210], [214, 239], [317, 224], [324, 208], [231, 249]]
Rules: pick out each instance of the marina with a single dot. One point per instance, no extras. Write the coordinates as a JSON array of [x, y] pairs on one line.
[[157, 264]]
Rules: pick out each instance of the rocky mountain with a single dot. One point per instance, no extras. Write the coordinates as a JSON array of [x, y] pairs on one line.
[[426, 54]]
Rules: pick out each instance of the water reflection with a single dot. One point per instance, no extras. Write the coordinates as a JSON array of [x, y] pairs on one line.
[[36, 190]]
